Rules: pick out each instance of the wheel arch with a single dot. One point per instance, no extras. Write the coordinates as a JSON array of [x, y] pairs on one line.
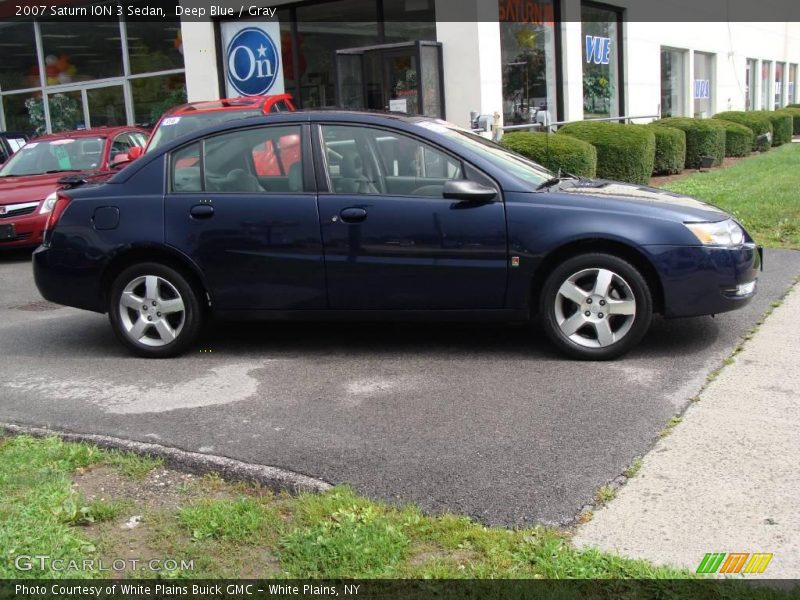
[[620, 249], [161, 254]]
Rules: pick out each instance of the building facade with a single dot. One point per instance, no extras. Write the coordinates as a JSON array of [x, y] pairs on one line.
[[529, 61]]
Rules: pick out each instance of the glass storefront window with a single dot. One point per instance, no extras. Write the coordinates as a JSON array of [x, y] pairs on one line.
[[66, 111], [154, 45], [106, 106], [153, 96], [703, 84], [766, 67], [24, 112], [750, 83], [791, 90], [601, 47], [527, 44], [673, 82], [19, 67], [81, 52], [321, 30], [409, 20], [778, 90]]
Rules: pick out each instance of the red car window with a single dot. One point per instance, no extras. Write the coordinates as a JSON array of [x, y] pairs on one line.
[[275, 160]]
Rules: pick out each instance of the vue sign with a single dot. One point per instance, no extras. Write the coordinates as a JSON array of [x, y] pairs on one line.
[[253, 62], [598, 50], [702, 89]]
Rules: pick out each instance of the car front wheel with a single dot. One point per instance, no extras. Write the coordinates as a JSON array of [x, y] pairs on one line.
[[154, 310], [596, 306]]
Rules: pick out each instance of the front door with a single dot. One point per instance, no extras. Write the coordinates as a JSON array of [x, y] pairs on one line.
[[391, 241], [240, 207]]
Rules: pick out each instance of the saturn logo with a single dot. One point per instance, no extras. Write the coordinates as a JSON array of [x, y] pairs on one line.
[[252, 61]]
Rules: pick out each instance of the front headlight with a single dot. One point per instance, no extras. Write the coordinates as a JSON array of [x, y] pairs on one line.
[[721, 233], [48, 204]]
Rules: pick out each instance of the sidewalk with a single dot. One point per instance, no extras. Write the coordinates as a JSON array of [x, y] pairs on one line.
[[728, 477]]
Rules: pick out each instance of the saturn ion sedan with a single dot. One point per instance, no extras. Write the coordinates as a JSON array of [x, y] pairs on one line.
[[367, 216]]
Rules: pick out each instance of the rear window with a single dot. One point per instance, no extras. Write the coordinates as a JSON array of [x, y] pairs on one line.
[[171, 128]]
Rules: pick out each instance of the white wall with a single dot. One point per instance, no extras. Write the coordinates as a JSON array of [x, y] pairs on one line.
[[200, 59]]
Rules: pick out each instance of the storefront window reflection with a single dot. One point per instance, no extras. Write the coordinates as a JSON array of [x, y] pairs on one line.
[[18, 109], [106, 106], [703, 84], [19, 67], [152, 96], [766, 67], [527, 41], [601, 47], [791, 91], [778, 85], [66, 112], [673, 77], [321, 30], [154, 45], [81, 52]]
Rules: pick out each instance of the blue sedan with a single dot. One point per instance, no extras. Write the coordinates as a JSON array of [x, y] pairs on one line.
[[322, 215]]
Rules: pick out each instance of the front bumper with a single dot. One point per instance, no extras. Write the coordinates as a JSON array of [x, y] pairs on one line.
[[706, 280], [27, 230]]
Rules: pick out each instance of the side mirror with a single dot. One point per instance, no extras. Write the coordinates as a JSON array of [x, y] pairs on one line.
[[135, 152], [119, 159], [469, 191]]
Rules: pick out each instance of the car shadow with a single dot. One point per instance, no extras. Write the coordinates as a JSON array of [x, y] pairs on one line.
[[15, 255]]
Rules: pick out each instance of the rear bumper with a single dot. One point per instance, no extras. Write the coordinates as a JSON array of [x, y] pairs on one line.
[[62, 279], [700, 280], [28, 230]]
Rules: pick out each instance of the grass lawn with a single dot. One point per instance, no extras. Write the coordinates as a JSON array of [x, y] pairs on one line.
[[763, 192], [73, 501]]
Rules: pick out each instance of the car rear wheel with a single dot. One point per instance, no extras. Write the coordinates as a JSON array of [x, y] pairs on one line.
[[596, 306], [154, 310]]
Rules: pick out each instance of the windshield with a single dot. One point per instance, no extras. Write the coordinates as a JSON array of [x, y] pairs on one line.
[[512, 163], [54, 156], [171, 128]]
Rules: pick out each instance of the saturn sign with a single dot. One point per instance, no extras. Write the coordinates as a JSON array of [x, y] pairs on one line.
[[253, 63]]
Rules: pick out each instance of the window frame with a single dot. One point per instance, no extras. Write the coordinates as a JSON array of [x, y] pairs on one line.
[[325, 186], [309, 186]]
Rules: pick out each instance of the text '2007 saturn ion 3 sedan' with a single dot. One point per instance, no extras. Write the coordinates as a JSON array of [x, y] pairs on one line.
[[382, 217]]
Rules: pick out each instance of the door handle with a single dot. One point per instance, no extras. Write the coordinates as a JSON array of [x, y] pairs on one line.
[[353, 215], [201, 211]]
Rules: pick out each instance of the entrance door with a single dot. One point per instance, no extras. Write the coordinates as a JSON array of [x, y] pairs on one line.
[[392, 241], [393, 77]]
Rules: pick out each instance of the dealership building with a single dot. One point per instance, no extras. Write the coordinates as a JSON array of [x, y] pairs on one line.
[[529, 61]]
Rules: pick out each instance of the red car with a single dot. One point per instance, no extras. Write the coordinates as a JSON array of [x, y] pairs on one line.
[[187, 118], [29, 180]]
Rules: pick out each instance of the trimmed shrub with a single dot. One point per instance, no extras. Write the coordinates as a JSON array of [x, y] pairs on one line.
[[794, 109], [670, 150], [782, 125], [704, 137], [756, 121], [624, 152], [554, 152], [738, 139]]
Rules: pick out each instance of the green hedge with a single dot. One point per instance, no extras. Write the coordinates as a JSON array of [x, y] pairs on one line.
[[624, 152], [738, 139], [670, 150], [554, 152], [756, 121], [794, 109], [704, 137], [782, 125]]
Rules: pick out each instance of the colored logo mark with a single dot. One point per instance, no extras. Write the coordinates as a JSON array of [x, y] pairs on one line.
[[731, 563], [253, 62]]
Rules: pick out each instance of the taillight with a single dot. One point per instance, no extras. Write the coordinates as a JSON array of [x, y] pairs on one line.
[[62, 201]]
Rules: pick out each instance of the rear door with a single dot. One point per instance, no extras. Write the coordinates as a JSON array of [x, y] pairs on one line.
[[248, 217]]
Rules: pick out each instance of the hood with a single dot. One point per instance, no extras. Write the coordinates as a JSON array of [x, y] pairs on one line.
[[636, 198], [27, 188]]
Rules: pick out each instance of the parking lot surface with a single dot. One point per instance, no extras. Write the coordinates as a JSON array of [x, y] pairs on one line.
[[481, 419]]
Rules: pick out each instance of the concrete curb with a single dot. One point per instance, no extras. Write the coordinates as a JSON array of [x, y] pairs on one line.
[[229, 469]]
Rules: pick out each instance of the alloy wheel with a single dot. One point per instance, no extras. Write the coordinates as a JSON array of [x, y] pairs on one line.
[[152, 311]]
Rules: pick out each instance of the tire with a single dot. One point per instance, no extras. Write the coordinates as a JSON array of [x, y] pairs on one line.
[[154, 310], [613, 293]]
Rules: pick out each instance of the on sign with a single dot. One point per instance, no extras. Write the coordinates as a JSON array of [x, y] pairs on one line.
[[253, 62]]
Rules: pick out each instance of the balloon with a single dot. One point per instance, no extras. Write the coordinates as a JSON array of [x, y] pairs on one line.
[[64, 78], [50, 60], [51, 71], [63, 63], [52, 80], [71, 70]]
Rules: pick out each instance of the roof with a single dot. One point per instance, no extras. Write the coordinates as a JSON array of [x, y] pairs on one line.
[[241, 103], [93, 132]]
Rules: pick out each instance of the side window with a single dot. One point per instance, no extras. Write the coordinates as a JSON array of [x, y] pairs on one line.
[[121, 145], [262, 160], [185, 167], [364, 160]]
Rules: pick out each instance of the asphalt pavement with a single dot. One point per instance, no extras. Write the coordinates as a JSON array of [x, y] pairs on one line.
[[481, 419]]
